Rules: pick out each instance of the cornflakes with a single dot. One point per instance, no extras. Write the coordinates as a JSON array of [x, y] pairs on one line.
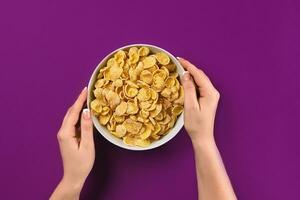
[[137, 95]]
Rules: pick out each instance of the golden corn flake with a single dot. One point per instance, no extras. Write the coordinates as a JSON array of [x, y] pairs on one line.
[[145, 105], [130, 91], [98, 92], [121, 109], [170, 82], [105, 110], [177, 109], [133, 55], [133, 141], [146, 76], [166, 92], [142, 143], [162, 58], [157, 110], [161, 73], [138, 96], [120, 56], [112, 98], [159, 116], [142, 84], [144, 94], [113, 72], [132, 126], [132, 108], [133, 50], [120, 131], [103, 119], [181, 97], [144, 113], [143, 51], [100, 83], [149, 61], [158, 83], [96, 106], [110, 62], [146, 133], [134, 58], [171, 67], [118, 83]]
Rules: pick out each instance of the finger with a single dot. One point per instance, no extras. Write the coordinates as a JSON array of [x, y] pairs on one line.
[[72, 115], [199, 76], [86, 125], [190, 96]]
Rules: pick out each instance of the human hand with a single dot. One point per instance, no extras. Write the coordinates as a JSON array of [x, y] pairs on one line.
[[199, 110], [78, 154]]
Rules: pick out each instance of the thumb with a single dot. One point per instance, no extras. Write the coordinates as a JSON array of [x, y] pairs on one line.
[[87, 138], [190, 96]]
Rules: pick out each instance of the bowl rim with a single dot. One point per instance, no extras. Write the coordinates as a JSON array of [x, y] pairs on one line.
[[98, 126]]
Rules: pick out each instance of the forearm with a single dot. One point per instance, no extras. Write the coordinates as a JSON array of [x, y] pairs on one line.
[[213, 181], [66, 191]]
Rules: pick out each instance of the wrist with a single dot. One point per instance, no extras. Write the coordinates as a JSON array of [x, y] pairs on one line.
[[201, 136], [71, 184], [205, 143], [66, 190]]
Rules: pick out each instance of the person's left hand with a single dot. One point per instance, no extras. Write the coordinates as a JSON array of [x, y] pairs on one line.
[[78, 153]]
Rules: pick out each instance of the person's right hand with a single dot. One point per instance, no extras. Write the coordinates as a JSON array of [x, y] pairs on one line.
[[199, 116], [199, 110]]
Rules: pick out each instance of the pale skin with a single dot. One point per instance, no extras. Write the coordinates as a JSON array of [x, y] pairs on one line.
[[78, 156], [199, 114]]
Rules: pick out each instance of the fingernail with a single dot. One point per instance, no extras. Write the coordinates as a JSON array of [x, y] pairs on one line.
[[186, 76], [84, 89], [86, 114], [178, 57]]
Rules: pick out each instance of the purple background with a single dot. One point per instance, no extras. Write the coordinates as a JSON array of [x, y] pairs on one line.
[[250, 49]]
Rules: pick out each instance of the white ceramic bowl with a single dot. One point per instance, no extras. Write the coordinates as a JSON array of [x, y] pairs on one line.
[[105, 133]]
